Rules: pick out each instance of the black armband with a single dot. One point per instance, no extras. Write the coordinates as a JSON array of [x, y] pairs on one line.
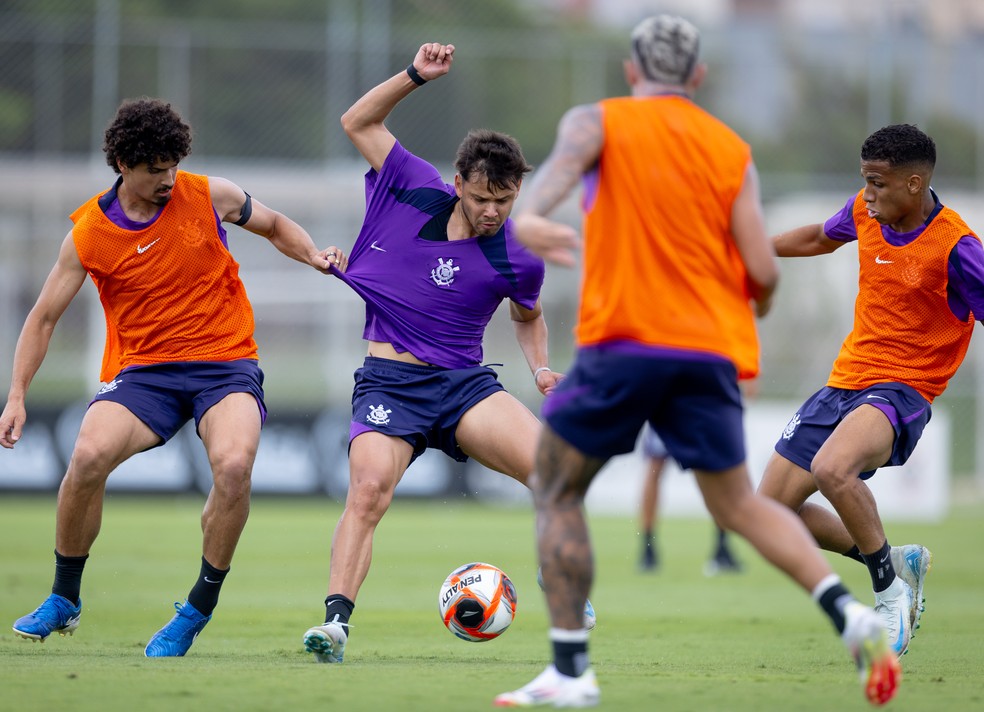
[[415, 75], [246, 212]]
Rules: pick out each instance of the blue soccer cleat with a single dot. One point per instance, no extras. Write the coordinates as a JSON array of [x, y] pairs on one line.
[[893, 606], [174, 639], [55, 615], [912, 562]]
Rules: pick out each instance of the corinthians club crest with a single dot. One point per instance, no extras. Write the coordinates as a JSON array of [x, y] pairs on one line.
[[378, 414], [443, 274], [791, 426]]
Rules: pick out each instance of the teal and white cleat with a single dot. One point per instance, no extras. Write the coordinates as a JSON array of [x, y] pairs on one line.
[[326, 642]]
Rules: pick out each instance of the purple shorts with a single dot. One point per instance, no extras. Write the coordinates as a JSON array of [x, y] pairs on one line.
[[691, 400], [809, 428], [165, 396], [421, 404]]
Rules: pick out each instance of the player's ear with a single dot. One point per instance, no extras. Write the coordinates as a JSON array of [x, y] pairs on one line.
[[457, 184], [697, 76], [631, 72]]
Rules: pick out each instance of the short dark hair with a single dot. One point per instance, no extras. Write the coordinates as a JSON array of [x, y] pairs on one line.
[[146, 131], [495, 155], [900, 145]]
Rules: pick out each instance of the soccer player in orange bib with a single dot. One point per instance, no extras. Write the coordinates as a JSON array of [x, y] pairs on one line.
[[921, 283], [179, 346], [676, 266]]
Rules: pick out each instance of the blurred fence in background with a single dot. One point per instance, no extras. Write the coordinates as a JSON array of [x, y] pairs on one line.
[[264, 99]]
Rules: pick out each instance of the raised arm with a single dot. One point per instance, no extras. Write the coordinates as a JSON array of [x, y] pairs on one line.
[[231, 205], [363, 122], [805, 241], [575, 151], [61, 286]]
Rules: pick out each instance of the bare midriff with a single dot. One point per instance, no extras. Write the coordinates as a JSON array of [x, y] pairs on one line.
[[384, 349]]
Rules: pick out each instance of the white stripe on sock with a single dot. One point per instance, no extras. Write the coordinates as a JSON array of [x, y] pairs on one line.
[[562, 635]]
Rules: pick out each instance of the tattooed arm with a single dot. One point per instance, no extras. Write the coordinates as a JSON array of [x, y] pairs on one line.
[[576, 150]]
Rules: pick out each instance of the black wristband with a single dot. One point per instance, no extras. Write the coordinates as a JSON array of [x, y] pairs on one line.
[[415, 75]]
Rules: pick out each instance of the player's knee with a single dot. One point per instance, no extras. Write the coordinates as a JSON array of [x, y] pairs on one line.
[[90, 463], [830, 478], [368, 499], [232, 464]]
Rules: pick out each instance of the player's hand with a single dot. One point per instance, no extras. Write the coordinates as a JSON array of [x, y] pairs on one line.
[[763, 305], [331, 257], [12, 424], [546, 381], [433, 60], [553, 241]]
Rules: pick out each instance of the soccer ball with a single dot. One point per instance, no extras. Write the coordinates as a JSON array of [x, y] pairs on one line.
[[477, 602]]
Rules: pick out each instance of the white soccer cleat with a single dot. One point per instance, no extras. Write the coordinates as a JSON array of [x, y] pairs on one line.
[[911, 563], [552, 688], [326, 642], [878, 666], [893, 606]]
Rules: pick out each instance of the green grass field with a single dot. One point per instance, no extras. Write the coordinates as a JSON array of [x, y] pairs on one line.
[[669, 641]]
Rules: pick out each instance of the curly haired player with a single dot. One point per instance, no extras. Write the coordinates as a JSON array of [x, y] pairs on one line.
[[179, 346]]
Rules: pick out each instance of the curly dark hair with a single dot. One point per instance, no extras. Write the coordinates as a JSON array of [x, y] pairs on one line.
[[146, 131], [496, 155], [901, 146]]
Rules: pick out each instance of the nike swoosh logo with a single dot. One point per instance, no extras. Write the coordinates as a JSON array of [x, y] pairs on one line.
[[880, 261], [897, 645], [208, 580], [374, 247], [141, 250], [880, 398]]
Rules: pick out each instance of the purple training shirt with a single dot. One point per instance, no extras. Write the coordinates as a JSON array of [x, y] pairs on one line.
[[425, 294]]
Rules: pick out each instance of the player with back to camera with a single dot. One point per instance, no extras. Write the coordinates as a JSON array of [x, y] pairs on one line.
[[675, 250], [921, 283], [433, 262], [179, 346]]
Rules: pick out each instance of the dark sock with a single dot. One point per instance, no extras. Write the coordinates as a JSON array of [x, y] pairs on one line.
[[570, 657], [832, 601], [721, 535], [205, 594], [68, 576], [880, 567], [854, 553], [338, 609], [721, 551]]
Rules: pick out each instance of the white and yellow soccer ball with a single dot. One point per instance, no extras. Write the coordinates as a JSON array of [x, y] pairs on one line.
[[477, 602]]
